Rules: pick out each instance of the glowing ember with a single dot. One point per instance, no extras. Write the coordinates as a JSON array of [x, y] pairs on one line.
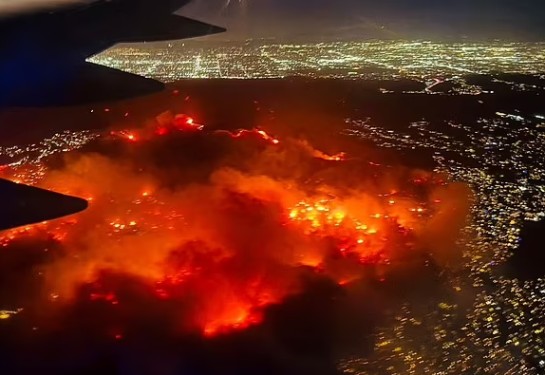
[[126, 135], [7, 314]]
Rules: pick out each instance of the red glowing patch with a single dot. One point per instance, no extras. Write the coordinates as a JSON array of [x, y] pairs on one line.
[[186, 123], [164, 125]]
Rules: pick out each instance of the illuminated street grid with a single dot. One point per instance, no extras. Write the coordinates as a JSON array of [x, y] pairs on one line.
[[32, 155], [503, 331], [388, 60]]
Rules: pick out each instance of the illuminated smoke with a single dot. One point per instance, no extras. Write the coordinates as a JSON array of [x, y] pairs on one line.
[[227, 245]]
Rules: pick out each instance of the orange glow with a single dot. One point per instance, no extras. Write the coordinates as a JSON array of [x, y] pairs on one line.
[[233, 319], [248, 133], [337, 157], [165, 124], [325, 218], [267, 137], [126, 135], [228, 246], [186, 123], [341, 156]]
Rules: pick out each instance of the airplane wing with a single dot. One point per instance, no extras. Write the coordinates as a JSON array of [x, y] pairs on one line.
[[43, 53], [24, 205], [77, 84]]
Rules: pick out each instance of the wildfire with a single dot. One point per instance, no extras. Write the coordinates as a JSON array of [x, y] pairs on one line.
[[337, 157], [164, 124], [236, 318], [56, 231], [228, 247], [186, 123], [167, 123], [241, 133], [7, 314], [324, 219], [126, 135]]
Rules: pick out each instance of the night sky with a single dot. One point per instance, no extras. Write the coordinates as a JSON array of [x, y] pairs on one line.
[[517, 19], [349, 19]]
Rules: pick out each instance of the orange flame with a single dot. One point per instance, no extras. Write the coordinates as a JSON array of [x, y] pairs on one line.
[[254, 132], [235, 244]]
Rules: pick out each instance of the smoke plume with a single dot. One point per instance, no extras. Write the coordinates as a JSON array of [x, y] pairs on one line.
[[201, 240]]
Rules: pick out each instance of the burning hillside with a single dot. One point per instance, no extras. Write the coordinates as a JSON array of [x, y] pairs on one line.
[[217, 226]]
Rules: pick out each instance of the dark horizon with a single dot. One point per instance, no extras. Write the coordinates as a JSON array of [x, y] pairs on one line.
[[393, 19], [352, 19]]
